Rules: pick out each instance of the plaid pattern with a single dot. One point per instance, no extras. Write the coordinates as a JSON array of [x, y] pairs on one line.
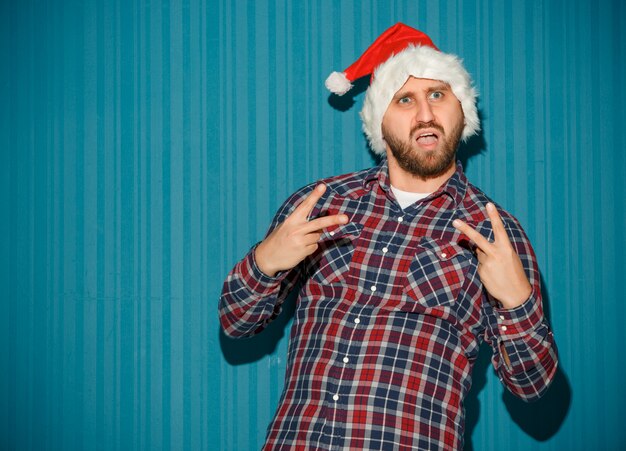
[[389, 320]]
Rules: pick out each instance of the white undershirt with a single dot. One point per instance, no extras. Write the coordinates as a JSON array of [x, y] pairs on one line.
[[406, 198]]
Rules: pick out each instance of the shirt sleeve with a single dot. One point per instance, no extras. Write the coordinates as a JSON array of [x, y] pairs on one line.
[[250, 299], [525, 354]]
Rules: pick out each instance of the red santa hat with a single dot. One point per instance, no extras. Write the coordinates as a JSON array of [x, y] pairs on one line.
[[397, 54]]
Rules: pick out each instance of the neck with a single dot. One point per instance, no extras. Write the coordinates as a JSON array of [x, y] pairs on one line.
[[406, 181]]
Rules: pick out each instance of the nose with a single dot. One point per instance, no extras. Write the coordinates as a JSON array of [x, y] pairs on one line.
[[424, 112]]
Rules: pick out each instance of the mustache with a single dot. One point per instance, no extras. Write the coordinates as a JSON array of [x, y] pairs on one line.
[[422, 125]]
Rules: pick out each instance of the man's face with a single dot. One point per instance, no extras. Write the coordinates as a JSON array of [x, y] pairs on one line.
[[422, 127]]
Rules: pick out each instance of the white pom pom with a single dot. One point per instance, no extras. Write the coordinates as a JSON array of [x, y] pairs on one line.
[[338, 83]]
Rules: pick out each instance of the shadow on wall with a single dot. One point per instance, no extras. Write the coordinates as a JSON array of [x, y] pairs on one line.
[[346, 101], [541, 419], [475, 145], [242, 351]]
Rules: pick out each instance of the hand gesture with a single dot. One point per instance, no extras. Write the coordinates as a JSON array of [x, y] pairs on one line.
[[499, 267], [295, 238]]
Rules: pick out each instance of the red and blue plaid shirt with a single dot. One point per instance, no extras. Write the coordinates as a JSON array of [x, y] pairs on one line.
[[389, 319]]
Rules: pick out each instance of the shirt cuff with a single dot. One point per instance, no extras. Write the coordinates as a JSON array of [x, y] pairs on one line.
[[520, 321], [256, 280]]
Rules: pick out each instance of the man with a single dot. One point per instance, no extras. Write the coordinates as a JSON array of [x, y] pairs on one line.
[[404, 270]]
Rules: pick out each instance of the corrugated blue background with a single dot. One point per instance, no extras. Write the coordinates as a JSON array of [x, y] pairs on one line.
[[146, 144]]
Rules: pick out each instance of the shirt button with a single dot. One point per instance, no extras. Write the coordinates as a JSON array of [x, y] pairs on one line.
[[503, 328], [373, 288], [357, 320], [346, 360], [385, 250], [335, 397], [332, 233], [444, 255], [400, 218], [502, 317]]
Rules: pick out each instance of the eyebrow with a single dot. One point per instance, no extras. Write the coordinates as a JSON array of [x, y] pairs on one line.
[[439, 87]]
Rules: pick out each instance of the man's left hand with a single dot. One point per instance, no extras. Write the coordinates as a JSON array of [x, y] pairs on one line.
[[499, 267]]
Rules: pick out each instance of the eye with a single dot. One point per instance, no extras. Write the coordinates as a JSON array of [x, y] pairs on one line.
[[436, 95], [404, 100]]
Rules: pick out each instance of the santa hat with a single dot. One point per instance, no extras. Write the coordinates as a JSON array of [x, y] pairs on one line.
[[397, 54]]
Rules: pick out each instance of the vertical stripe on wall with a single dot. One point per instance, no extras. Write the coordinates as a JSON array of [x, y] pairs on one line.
[[145, 146]]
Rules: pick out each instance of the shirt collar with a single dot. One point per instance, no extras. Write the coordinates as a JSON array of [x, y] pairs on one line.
[[455, 186], [378, 174]]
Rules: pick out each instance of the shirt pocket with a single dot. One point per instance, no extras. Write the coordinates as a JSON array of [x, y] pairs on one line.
[[330, 263], [437, 273]]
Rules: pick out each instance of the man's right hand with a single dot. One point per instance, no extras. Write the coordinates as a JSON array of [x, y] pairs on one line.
[[296, 238]]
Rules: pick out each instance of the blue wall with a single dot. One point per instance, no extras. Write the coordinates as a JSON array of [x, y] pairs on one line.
[[145, 146]]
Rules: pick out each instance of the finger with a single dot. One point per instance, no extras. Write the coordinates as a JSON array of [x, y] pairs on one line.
[[473, 235], [311, 248], [324, 222], [480, 255], [311, 238], [304, 209], [499, 232]]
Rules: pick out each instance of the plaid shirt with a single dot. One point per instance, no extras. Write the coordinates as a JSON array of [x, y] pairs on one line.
[[390, 316]]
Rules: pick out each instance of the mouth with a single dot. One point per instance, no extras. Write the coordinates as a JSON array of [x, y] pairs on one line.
[[427, 139]]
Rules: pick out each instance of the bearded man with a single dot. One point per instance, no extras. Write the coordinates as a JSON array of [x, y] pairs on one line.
[[404, 268]]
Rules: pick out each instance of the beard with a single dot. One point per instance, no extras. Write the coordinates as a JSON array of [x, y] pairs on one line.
[[425, 164]]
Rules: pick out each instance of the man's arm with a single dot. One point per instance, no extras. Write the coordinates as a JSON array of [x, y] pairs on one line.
[[255, 289], [525, 354]]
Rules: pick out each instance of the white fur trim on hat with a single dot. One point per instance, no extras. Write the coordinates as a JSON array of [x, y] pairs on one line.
[[418, 62]]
